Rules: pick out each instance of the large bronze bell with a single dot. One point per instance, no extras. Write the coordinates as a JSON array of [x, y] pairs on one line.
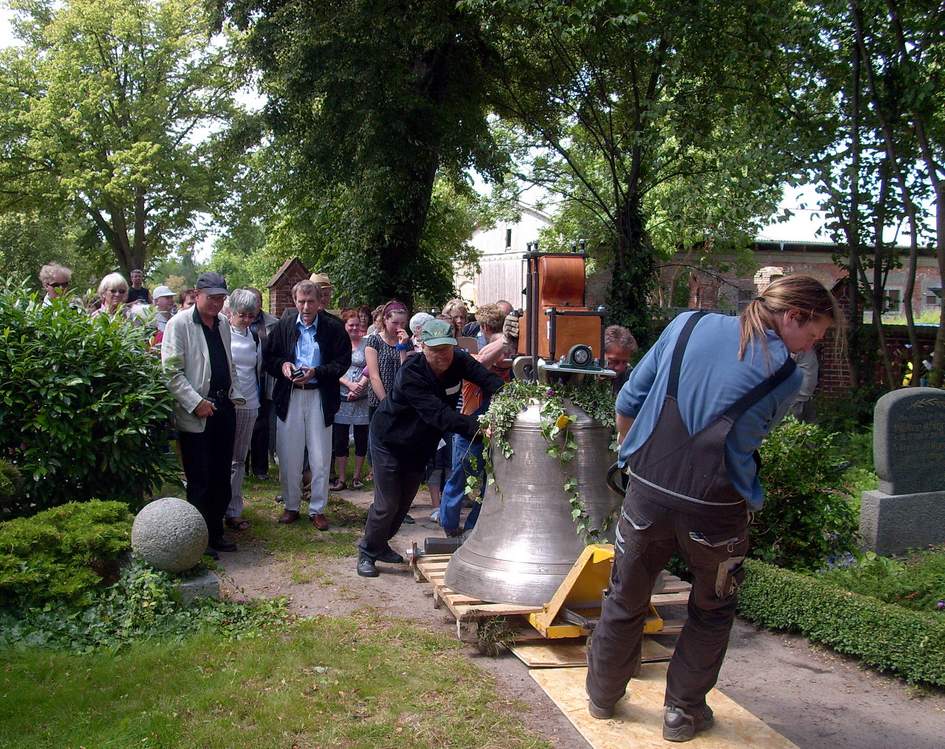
[[525, 540]]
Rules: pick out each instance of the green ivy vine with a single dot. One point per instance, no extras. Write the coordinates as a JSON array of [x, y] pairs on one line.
[[593, 396]]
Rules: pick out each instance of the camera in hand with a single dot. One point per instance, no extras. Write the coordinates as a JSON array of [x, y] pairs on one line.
[[297, 373]]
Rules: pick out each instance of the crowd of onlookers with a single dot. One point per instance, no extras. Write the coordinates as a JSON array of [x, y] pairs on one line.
[[301, 389]]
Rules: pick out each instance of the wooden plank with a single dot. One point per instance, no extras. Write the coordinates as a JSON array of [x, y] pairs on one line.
[[479, 610], [669, 599], [677, 586], [571, 653], [638, 720]]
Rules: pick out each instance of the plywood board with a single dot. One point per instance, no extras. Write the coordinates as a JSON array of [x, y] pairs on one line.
[[638, 720], [549, 654]]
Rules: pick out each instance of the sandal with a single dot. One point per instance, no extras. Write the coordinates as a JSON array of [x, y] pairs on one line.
[[237, 524], [338, 486], [357, 484]]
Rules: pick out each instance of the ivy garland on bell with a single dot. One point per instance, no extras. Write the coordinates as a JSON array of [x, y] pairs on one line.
[[593, 396]]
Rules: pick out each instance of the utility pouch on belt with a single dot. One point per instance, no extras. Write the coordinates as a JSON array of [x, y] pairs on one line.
[[725, 579]]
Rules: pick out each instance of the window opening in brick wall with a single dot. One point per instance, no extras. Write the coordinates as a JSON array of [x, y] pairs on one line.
[[893, 300]]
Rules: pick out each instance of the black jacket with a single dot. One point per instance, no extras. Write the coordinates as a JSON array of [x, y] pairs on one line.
[[421, 407], [335, 347]]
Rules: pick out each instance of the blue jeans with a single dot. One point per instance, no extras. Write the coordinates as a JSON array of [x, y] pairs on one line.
[[467, 461]]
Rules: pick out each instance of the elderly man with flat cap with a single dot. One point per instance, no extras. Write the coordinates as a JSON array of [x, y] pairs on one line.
[[200, 374], [307, 352]]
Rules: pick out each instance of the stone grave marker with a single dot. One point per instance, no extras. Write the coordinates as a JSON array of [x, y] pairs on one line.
[[908, 509]]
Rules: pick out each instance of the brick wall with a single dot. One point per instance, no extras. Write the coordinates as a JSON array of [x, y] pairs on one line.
[[834, 378], [280, 287]]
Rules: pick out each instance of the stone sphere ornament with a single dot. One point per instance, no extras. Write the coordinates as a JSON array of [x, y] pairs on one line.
[[169, 534]]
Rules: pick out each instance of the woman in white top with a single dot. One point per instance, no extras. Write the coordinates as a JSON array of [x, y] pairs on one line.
[[247, 360]]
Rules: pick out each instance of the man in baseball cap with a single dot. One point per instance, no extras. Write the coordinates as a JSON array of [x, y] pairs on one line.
[[198, 364], [163, 305], [406, 428]]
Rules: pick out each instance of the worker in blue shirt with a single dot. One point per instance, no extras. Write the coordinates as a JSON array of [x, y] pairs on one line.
[[690, 420]]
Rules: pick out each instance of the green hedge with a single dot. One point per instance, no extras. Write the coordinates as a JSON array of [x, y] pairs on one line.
[[62, 554], [888, 637]]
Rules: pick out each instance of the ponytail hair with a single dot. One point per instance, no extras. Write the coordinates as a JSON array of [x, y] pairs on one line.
[[805, 294]]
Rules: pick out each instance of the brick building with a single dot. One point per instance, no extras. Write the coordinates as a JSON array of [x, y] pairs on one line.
[[280, 285], [731, 290]]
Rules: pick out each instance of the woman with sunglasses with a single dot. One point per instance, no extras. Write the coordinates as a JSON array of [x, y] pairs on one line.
[[55, 279]]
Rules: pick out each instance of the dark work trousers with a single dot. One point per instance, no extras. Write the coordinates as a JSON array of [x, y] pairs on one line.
[[647, 536], [259, 447], [394, 490], [206, 457]]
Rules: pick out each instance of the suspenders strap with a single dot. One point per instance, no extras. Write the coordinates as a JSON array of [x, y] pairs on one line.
[[672, 386], [760, 390]]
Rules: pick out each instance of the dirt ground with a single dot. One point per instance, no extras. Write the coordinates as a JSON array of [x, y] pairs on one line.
[[812, 696]]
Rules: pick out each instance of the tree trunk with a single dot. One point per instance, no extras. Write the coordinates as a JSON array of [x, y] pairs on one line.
[[634, 272], [906, 193], [879, 282], [853, 228]]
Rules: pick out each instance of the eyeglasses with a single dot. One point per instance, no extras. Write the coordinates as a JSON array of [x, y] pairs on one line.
[[58, 285], [116, 291]]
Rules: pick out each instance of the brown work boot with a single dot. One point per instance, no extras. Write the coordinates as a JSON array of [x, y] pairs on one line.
[[289, 516], [320, 522]]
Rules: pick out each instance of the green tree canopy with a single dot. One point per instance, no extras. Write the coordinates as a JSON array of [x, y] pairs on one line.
[[112, 109], [652, 119], [370, 101]]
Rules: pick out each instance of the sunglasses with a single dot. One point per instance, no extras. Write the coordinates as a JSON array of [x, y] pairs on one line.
[[59, 285]]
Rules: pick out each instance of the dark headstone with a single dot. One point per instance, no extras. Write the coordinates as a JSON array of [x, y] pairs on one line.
[[909, 441]]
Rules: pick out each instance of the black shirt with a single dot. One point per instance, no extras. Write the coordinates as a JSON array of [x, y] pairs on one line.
[[421, 407], [141, 294], [219, 366]]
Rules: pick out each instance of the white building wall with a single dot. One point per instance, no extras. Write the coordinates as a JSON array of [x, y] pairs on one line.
[[501, 249]]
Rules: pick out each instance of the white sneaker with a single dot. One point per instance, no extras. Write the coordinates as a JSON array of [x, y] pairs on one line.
[[435, 515]]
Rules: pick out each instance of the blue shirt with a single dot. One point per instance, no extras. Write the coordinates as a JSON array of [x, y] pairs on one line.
[[712, 379], [307, 352]]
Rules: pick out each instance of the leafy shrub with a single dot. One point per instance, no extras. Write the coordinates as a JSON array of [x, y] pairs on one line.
[[9, 486], [857, 448], [806, 516], [851, 412], [916, 582], [143, 604], [887, 637], [83, 406], [61, 554]]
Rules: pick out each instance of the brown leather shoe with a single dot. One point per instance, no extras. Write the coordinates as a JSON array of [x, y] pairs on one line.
[[320, 522], [289, 516]]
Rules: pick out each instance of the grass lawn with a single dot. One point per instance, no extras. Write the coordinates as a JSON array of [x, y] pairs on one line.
[[914, 581], [339, 682]]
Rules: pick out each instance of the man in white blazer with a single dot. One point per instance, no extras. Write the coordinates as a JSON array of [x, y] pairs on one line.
[[200, 374]]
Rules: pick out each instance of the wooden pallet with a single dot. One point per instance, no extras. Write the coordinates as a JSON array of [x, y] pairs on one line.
[[469, 611]]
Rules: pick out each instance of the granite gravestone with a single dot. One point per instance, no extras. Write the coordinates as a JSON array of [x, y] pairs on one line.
[[908, 509]]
